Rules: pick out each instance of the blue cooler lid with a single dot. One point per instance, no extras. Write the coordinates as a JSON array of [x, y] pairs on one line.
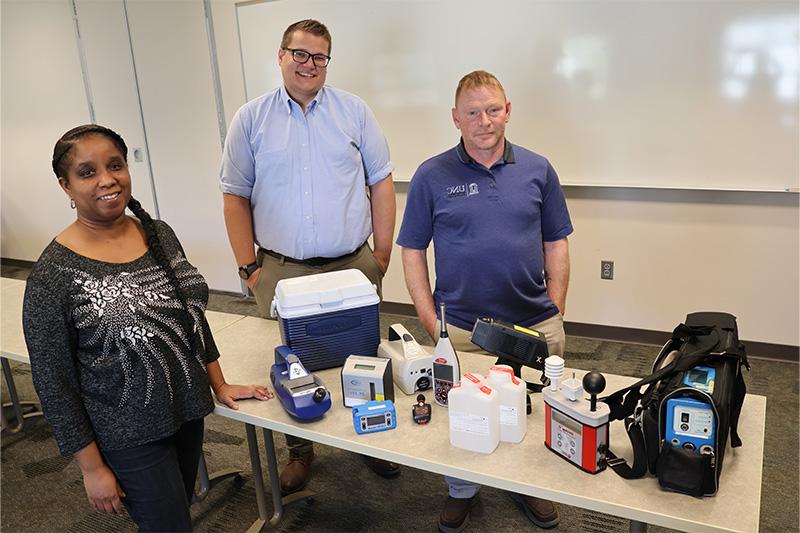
[[323, 293]]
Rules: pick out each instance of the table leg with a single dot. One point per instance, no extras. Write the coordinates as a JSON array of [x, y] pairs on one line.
[[209, 482], [15, 403], [638, 527], [258, 478], [278, 501], [272, 465], [3, 421]]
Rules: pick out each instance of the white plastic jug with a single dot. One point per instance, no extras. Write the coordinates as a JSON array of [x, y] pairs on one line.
[[513, 407], [474, 410]]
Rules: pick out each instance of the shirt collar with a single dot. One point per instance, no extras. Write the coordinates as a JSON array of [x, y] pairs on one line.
[[285, 98], [464, 157]]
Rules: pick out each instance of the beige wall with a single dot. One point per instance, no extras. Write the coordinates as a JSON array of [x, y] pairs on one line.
[[682, 251]]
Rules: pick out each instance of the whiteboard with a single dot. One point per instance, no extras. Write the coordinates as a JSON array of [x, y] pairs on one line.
[[669, 94]]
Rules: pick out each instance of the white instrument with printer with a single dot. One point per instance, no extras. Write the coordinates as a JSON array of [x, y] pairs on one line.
[[412, 365]]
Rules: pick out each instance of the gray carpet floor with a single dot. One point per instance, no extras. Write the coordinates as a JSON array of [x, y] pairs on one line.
[[42, 491]]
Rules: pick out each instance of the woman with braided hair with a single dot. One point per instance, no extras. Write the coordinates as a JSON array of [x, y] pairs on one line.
[[122, 356]]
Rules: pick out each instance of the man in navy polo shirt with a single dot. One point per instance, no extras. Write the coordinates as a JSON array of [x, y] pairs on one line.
[[499, 223]]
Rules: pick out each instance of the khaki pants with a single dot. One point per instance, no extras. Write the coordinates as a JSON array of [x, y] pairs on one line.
[[273, 270]]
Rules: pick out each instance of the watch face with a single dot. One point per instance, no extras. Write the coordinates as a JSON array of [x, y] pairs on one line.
[[246, 271]]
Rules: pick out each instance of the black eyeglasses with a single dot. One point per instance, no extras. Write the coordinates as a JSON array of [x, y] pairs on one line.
[[302, 57]]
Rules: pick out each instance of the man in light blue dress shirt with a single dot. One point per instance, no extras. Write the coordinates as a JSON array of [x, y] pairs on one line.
[[295, 171]]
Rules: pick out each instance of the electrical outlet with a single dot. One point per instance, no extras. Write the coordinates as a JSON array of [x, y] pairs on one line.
[[606, 269]]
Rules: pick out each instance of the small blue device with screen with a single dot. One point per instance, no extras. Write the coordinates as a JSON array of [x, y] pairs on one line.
[[374, 416], [701, 378]]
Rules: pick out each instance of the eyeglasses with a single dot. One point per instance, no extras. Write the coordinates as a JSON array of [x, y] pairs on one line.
[[302, 57]]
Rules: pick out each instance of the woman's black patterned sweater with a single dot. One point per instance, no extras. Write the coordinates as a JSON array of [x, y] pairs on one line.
[[110, 345]]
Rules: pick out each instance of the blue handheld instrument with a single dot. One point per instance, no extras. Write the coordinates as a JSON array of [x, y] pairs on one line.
[[302, 394], [701, 378], [690, 422], [374, 416]]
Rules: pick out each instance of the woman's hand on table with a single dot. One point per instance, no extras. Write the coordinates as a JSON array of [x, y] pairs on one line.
[[228, 394]]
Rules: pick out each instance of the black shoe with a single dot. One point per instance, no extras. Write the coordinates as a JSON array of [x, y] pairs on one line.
[[383, 468], [455, 515], [541, 512]]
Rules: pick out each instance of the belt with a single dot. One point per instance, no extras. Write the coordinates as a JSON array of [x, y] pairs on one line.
[[312, 261]]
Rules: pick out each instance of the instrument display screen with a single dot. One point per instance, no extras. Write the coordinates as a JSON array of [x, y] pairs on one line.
[[567, 422], [376, 420], [698, 376], [441, 371], [701, 377]]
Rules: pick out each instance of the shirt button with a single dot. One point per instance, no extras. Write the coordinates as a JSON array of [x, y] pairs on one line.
[[305, 168], [308, 218], [307, 193]]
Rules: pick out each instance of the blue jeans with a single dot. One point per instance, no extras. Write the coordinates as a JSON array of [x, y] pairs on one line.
[[158, 478]]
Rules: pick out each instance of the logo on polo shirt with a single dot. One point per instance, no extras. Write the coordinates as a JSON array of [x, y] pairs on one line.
[[462, 190]]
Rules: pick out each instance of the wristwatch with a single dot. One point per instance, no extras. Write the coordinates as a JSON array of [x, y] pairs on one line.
[[246, 271]]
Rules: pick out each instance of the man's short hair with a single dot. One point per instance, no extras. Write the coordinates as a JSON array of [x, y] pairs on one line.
[[479, 78], [314, 27]]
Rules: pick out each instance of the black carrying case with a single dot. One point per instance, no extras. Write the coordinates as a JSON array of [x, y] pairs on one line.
[[706, 339]]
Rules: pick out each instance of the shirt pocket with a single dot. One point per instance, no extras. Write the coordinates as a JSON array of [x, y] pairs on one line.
[[343, 159], [273, 164]]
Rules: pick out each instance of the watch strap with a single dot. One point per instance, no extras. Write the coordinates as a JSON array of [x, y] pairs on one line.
[[247, 270]]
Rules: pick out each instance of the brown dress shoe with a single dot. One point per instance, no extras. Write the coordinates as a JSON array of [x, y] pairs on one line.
[[383, 468], [541, 512], [455, 515], [295, 475]]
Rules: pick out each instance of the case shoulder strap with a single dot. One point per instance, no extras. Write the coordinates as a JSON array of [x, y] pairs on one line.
[[619, 464]]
